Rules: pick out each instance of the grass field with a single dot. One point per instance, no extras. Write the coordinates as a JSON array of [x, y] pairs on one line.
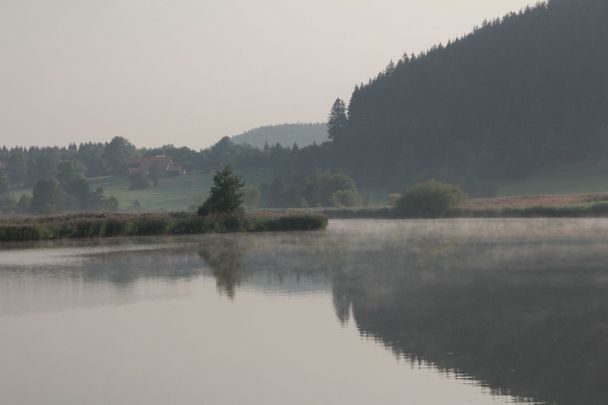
[[531, 201], [172, 194], [580, 178]]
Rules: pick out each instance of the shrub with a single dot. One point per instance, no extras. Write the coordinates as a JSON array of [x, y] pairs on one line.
[[345, 198], [430, 199]]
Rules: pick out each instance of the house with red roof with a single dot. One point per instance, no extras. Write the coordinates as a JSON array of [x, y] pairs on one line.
[[144, 164]]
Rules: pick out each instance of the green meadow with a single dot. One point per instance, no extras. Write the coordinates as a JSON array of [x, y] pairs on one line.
[[580, 178], [172, 194]]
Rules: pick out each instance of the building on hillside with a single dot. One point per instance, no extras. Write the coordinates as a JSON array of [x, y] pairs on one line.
[[164, 163]]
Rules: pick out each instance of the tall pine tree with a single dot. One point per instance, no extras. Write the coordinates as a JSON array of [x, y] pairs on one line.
[[337, 120]]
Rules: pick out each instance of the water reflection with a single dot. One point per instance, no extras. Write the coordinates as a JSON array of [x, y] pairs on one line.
[[520, 307], [225, 256]]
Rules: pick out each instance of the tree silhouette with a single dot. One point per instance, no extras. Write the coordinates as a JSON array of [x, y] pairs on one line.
[[337, 120], [226, 196]]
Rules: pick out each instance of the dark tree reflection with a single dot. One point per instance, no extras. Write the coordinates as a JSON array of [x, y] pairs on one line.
[[225, 257], [527, 320]]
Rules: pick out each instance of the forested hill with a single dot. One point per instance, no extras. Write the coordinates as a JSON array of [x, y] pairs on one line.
[[286, 135], [527, 91]]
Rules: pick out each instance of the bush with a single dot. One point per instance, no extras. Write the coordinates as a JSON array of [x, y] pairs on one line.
[[430, 199], [345, 198]]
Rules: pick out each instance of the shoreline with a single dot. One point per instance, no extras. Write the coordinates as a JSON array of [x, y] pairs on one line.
[[597, 210], [106, 225]]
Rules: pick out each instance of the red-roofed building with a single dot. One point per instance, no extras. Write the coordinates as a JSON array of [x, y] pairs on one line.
[[165, 163]]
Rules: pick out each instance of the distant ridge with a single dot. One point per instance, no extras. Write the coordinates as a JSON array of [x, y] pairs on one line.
[[285, 135]]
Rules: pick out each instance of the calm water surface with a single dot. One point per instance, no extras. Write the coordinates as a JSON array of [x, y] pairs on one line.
[[368, 312]]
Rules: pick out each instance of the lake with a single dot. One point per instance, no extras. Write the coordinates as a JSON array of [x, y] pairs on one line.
[[367, 312]]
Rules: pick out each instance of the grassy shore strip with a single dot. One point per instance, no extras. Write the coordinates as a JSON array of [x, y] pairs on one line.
[[579, 211], [32, 228]]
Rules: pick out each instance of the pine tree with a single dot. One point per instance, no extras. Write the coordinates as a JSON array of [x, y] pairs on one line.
[[226, 195], [336, 122]]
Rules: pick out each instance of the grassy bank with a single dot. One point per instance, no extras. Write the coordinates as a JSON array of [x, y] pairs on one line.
[[32, 228], [579, 211], [574, 178]]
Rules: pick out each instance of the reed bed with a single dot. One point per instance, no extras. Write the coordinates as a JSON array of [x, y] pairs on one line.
[[101, 225]]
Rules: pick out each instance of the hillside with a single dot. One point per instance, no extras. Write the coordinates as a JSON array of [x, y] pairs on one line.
[[286, 135], [518, 95], [172, 194]]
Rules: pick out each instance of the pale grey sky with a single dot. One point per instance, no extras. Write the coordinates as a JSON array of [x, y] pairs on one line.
[[188, 72]]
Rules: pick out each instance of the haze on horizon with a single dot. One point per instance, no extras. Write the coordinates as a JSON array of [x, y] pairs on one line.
[[189, 72]]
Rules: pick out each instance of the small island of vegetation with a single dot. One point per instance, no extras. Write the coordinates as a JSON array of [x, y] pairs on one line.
[[222, 212]]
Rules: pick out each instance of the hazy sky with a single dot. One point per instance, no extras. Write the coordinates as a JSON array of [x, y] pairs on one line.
[[188, 72]]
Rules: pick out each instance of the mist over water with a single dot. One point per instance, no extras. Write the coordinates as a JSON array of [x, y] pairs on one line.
[[424, 312]]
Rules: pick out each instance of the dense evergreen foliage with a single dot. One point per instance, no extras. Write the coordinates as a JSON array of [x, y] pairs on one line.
[[337, 121], [226, 196], [527, 91]]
